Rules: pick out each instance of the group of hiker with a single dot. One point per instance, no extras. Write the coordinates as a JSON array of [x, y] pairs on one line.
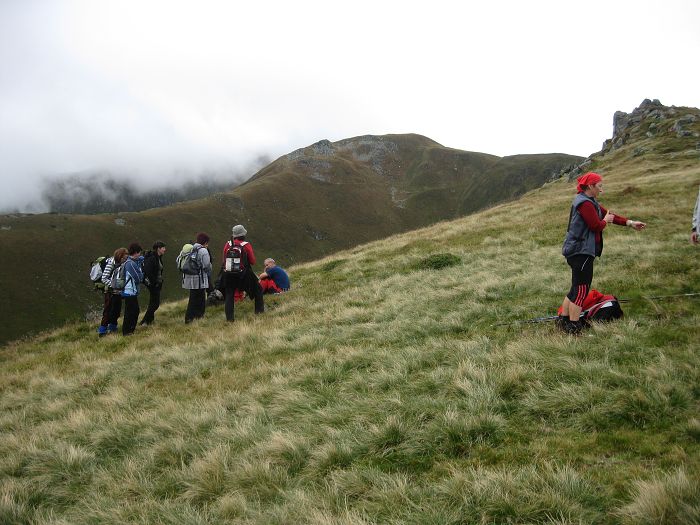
[[121, 275]]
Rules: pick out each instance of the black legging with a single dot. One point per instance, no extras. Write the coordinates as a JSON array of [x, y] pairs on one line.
[[153, 304], [131, 314], [115, 309], [581, 277]]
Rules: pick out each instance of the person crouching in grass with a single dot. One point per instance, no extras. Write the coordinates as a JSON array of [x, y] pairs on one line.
[[274, 279]]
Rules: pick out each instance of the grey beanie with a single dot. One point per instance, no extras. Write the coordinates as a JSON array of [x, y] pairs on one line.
[[239, 231]]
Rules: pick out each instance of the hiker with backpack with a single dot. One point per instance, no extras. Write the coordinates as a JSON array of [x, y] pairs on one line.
[[153, 279], [274, 279], [132, 274], [112, 298], [195, 265], [96, 268], [696, 221], [583, 243], [238, 274]]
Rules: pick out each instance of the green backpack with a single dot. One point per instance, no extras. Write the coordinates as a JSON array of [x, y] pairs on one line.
[[188, 261], [118, 277]]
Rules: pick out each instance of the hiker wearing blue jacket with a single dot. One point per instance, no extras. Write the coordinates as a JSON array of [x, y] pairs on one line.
[[133, 277]]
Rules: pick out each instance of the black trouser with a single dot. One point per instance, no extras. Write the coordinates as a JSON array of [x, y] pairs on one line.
[[153, 304], [581, 277], [248, 283], [115, 308], [196, 305], [106, 309], [131, 314]]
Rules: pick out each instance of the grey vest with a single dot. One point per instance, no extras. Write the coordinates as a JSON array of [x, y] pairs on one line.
[[580, 239]]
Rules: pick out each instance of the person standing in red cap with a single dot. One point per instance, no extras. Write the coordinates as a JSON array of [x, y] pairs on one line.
[[583, 243]]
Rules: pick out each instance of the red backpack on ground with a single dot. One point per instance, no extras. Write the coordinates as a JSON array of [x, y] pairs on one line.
[[599, 307]]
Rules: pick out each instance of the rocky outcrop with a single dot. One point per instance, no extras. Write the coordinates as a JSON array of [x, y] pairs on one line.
[[650, 119], [323, 148], [646, 121], [679, 126]]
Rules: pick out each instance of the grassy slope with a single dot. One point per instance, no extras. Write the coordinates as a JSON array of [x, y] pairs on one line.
[[290, 215], [380, 392]]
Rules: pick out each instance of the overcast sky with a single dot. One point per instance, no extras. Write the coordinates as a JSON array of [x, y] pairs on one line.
[[164, 90]]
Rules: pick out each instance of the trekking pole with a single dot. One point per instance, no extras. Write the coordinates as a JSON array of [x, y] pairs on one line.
[[656, 297], [670, 296], [529, 321], [551, 317]]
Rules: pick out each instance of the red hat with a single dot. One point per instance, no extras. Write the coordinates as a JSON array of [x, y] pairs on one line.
[[589, 179]]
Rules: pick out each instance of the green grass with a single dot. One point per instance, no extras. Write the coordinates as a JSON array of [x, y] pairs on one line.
[[438, 261], [379, 390]]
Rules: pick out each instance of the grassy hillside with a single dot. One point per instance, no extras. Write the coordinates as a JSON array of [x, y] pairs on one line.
[[380, 391], [303, 206]]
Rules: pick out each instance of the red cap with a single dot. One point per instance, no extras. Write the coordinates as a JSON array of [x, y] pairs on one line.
[[589, 179]]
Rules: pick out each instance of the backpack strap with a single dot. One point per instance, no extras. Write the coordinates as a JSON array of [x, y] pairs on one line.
[[127, 273]]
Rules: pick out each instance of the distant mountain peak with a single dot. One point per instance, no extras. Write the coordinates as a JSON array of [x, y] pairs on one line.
[[362, 148]]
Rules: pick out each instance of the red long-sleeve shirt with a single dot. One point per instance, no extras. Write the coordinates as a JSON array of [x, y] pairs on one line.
[[595, 223]]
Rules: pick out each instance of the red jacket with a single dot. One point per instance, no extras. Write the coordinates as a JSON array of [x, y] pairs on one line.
[[247, 247]]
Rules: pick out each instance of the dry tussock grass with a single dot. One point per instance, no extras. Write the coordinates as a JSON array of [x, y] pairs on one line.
[[377, 393], [669, 499]]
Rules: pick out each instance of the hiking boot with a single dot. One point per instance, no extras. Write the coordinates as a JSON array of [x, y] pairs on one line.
[[560, 321], [572, 327], [112, 328], [101, 331]]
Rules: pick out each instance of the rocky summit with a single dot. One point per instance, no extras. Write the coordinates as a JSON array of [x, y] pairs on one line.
[[652, 115], [651, 128]]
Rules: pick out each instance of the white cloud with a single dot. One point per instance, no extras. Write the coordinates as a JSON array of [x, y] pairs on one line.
[[155, 87]]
